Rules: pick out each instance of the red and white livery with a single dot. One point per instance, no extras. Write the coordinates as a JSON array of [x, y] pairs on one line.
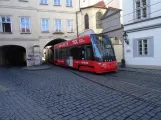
[[93, 53]]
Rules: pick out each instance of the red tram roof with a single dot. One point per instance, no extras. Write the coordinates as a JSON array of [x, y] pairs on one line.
[[74, 42]]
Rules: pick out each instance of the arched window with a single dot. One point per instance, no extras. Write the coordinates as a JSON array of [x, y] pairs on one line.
[[86, 20], [98, 20]]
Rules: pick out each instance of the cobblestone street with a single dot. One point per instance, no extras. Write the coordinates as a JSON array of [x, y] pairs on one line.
[[64, 94]]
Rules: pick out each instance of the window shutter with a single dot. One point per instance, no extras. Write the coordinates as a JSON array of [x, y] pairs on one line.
[[135, 48], [151, 47]]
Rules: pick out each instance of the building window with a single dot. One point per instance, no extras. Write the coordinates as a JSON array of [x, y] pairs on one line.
[[68, 2], [69, 25], [25, 25], [98, 20], [58, 25], [56, 2], [5, 24], [141, 7], [44, 2], [44, 25], [143, 47], [86, 20]]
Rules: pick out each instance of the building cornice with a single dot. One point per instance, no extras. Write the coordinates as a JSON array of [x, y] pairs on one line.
[[105, 17], [144, 28], [35, 9], [44, 10], [114, 30], [143, 21], [18, 39], [17, 7]]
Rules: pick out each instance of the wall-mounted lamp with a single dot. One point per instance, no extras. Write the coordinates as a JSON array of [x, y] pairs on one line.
[[126, 38]]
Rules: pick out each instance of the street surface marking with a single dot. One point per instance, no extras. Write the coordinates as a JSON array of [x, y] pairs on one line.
[[3, 89]]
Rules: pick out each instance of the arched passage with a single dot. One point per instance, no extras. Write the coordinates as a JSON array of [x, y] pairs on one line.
[[48, 51], [12, 55]]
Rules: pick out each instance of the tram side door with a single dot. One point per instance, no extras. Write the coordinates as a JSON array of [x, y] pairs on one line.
[[70, 61], [88, 52]]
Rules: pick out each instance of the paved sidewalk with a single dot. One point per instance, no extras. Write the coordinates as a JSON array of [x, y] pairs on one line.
[[144, 70], [38, 67]]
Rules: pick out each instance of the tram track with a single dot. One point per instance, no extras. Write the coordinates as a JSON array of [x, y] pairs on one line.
[[117, 90], [123, 78]]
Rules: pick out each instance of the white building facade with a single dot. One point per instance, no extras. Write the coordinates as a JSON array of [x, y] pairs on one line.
[[142, 24]]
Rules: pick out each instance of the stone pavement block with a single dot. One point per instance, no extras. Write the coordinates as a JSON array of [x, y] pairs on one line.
[[49, 94]]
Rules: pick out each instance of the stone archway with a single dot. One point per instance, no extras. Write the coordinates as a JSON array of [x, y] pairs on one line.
[[12, 55], [48, 51]]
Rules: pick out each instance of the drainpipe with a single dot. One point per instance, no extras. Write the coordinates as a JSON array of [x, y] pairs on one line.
[[77, 24], [77, 20]]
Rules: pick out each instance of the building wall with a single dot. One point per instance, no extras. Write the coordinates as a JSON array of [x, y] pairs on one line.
[[128, 8], [131, 59], [112, 22], [148, 28], [92, 20], [36, 11]]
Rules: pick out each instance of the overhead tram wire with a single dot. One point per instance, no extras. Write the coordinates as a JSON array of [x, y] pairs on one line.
[[129, 14]]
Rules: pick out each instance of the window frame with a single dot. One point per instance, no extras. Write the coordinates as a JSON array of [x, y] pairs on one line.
[[142, 47], [141, 7], [1, 22], [71, 27], [69, 3], [45, 25], [86, 21], [56, 2], [59, 30], [43, 3], [25, 28]]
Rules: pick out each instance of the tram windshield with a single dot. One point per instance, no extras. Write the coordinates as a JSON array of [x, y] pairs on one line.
[[102, 47]]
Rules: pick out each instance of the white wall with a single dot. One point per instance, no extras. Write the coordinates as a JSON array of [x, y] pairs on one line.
[[156, 60], [118, 52]]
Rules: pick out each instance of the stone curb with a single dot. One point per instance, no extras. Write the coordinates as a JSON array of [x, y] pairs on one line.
[[39, 67]]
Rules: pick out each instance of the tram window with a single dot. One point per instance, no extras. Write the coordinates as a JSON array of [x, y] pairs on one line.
[[63, 53], [56, 53], [88, 53], [76, 52], [67, 52]]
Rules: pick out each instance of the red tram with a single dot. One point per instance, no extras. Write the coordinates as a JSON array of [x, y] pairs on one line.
[[93, 53]]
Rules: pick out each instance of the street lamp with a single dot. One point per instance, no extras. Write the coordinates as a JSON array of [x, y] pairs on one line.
[[125, 38]]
